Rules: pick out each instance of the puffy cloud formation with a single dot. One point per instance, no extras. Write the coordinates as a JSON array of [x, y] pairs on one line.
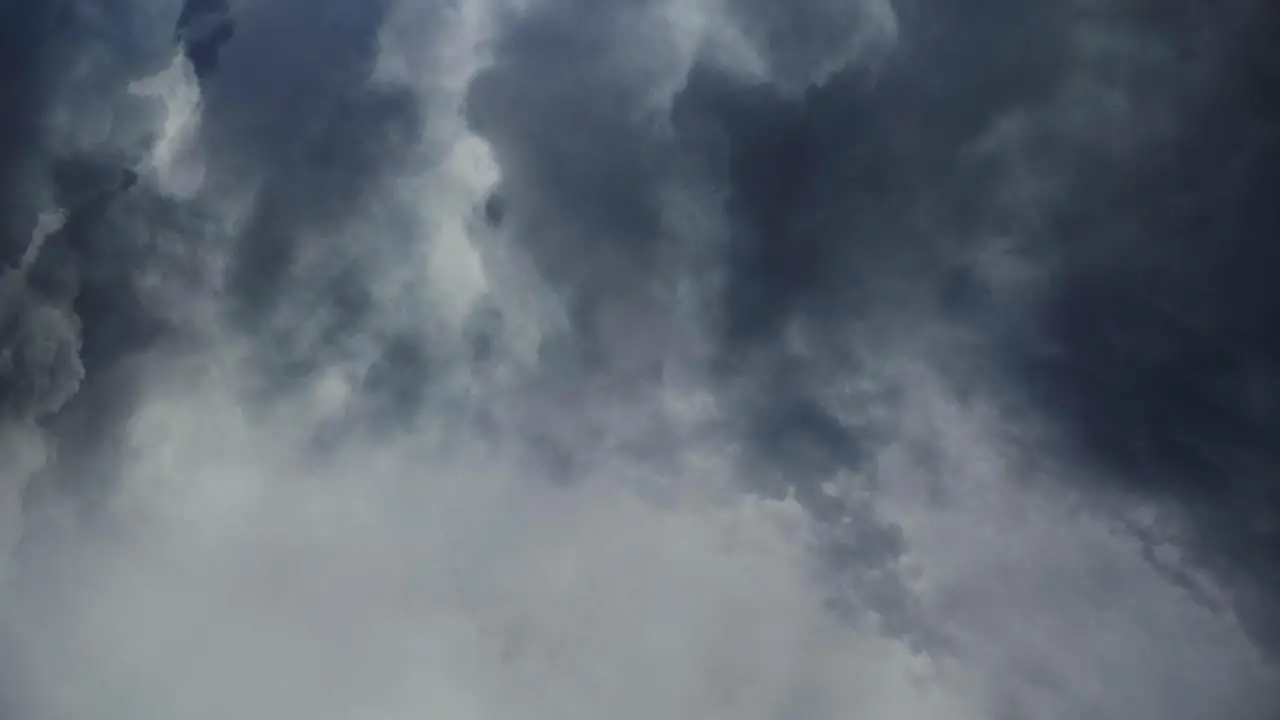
[[567, 359]]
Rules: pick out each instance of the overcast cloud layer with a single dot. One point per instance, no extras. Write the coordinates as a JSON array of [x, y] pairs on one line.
[[561, 359]]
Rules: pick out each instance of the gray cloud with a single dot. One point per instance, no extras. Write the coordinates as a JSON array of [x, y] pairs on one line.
[[643, 358]]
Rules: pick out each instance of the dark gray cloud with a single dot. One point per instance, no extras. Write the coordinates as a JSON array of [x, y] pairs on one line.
[[690, 358], [1155, 346]]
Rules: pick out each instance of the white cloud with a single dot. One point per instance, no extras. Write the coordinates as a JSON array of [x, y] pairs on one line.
[[175, 161], [437, 578]]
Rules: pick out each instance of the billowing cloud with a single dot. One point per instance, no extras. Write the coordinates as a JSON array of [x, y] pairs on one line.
[[553, 358]]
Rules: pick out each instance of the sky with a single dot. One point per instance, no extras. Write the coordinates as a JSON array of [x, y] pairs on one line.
[[570, 359]]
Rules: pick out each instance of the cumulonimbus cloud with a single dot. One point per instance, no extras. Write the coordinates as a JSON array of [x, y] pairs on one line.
[[554, 358]]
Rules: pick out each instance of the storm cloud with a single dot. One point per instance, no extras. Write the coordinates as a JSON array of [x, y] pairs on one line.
[[718, 358]]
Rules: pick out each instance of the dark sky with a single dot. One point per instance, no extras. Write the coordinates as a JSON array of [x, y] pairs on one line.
[[976, 293]]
